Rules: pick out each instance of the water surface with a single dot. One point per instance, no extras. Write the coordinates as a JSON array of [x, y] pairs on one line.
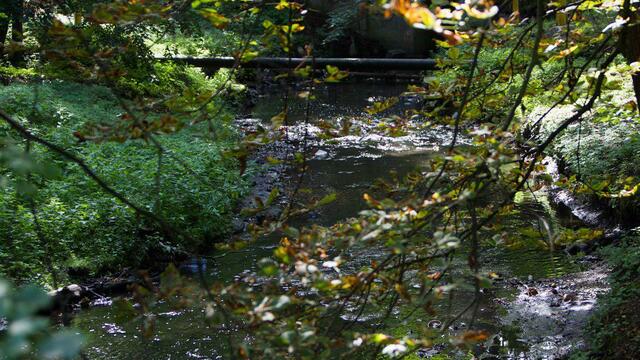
[[346, 165]]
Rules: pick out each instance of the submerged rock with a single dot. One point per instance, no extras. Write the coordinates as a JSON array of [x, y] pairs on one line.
[[551, 321], [321, 155]]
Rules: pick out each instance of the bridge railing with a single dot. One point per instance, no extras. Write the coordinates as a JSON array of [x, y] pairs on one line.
[[353, 64]]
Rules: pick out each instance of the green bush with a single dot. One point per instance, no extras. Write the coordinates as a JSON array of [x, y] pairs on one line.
[[10, 73], [84, 228], [28, 334]]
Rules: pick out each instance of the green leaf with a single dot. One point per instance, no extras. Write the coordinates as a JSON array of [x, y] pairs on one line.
[[273, 195], [27, 326], [268, 267], [63, 345], [327, 199], [217, 20]]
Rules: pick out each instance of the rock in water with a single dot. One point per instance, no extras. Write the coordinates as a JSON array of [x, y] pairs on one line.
[[321, 155]]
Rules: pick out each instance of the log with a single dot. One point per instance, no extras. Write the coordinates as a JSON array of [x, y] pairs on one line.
[[354, 64]]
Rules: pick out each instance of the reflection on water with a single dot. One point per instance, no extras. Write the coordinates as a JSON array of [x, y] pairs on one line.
[[348, 167]]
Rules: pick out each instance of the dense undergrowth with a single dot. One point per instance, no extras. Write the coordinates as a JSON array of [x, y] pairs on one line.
[[597, 157], [613, 332], [84, 231], [598, 154]]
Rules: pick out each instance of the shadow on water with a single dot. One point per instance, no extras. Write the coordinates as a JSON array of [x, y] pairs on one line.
[[348, 167]]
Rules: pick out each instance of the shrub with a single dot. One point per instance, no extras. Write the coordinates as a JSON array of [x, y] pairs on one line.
[[82, 227]]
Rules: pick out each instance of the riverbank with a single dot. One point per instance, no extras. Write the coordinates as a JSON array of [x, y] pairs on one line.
[[598, 155], [613, 331], [82, 233], [597, 179]]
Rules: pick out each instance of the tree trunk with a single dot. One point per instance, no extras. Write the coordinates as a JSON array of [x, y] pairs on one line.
[[630, 44], [636, 88], [17, 33], [4, 26]]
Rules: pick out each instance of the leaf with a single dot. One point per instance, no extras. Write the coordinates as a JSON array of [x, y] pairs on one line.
[[475, 336], [268, 267], [453, 53], [218, 21], [335, 74], [63, 345], [248, 56], [327, 199], [278, 120], [273, 195], [381, 106], [283, 4], [282, 254], [379, 338]]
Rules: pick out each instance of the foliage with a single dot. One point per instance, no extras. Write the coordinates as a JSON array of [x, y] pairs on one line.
[[599, 152], [25, 333], [10, 73], [214, 42], [613, 331], [430, 216], [68, 214], [339, 21]]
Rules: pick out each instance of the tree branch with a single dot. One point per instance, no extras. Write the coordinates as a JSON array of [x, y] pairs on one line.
[[25, 133]]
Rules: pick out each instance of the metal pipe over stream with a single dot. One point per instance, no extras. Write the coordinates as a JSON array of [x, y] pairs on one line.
[[354, 64]]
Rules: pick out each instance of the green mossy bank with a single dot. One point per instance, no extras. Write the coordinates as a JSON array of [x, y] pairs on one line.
[[614, 330], [84, 231], [600, 155], [601, 152]]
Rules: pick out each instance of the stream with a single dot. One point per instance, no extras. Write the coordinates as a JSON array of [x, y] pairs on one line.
[[541, 326]]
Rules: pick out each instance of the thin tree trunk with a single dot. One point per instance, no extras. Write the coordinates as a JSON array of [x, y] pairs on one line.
[[636, 88], [4, 27], [630, 44], [17, 33]]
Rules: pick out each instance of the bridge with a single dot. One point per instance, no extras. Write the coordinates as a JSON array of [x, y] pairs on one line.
[[351, 64]]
